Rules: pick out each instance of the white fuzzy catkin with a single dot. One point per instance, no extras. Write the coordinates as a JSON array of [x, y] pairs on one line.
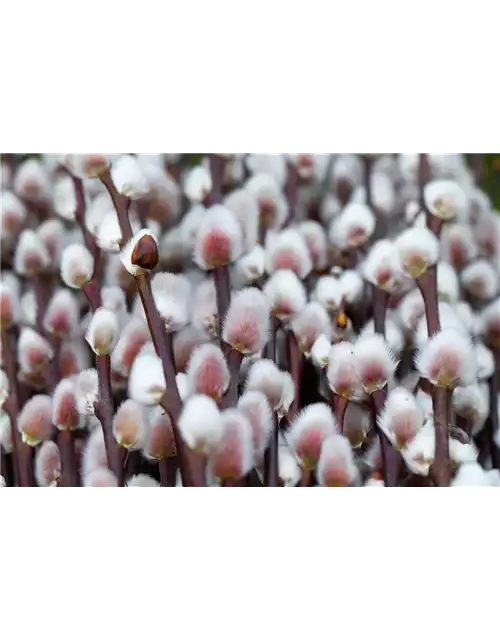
[[197, 184], [34, 351], [447, 359], [308, 431], [445, 199], [309, 324], [343, 373], [480, 280], [88, 165], [286, 294], [143, 480], [273, 164], [255, 406], [266, 377], [87, 391], [200, 424], [401, 418], [31, 256], [375, 361], [382, 267], [471, 474], [353, 227], [419, 453], [77, 266], [219, 238], [336, 465], [129, 178], [448, 285], [64, 197], [103, 331], [316, 240], [287, 249], [288, 466], [320, 351], [251, 266], [247, 322], [418, 250], [329, 292], [146, 383], [208, 372], [129, 425]]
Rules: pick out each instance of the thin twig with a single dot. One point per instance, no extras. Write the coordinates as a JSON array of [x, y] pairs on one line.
[[162, 340], [105, 407], [21, 451]]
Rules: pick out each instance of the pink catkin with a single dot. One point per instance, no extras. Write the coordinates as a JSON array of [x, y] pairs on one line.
[[64, 412], [160, 442], [59, 322], [287, 259], [447, 364], [308, 446], [216, 248]]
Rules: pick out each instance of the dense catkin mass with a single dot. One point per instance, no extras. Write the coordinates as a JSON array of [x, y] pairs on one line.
[[234, 320]]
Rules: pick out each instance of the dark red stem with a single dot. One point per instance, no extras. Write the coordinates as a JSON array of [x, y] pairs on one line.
[[295, 362], [21, 452], [161, 339], [390, 457], [271, 464], [441, 409]]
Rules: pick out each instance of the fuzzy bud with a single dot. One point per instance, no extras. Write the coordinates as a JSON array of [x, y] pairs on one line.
[[62, 318], [4, 387], [329, 293], [289, 468], [207, 372], [160, 441], [200, 424], [288, 250], [353, 227], [132, 338], [31, 256], [445, 199], [356, 424], [251, 266], [273, 207], [401, 418], [48, 465], [9, 304], [6, 435], [129, 178], [64, 197], [447, 359], [146, 384], [34, 421], [87, 391], [336, 466], [255, 406], [458, 246], [320, 351], [171, 293], [244, 206], [65, 415], [277, 385], [219, 240], [77, 266], [205, 316], [312, 322], [246, 326], [485, 361], [185, 342], [102, 333], [129, 426], [490, 324], [470, 403], [286, 294], [308, 432], [383, 268], [411, 310], [343, 373], [418, 250], [101, 477], [88, 165], [480, 280], [31, 181], [94, 452], [233, 456], [197, 184], [420, 451], [316, 241], [12, 215], [376, 362], [33, 351]]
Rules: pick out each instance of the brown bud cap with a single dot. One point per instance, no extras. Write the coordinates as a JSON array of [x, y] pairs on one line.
[[145, 253]]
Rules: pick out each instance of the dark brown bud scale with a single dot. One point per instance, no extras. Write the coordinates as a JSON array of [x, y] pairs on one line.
[[145, 253]]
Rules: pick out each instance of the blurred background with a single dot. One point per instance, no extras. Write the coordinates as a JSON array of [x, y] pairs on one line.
[[485, 165]]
